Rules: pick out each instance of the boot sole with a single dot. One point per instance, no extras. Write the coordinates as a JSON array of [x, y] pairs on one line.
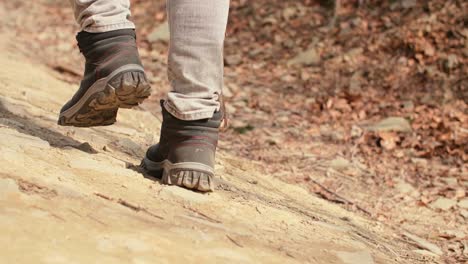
[[190, 175], [126, 87]]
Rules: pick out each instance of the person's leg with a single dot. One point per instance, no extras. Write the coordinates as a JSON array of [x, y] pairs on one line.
[[114, 76], [192, 113], [197, 30], [102, 15]]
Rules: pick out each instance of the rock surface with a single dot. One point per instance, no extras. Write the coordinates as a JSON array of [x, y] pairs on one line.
[[308, 57]]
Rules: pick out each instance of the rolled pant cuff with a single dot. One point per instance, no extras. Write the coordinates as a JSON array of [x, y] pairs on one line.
[[192, 115], [106, 28]]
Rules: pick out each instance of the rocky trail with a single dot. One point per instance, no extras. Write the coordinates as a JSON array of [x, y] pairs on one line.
[[71, 195]]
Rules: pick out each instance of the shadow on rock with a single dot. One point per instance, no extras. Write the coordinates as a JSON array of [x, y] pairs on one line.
[[28, 126], [138, 168]]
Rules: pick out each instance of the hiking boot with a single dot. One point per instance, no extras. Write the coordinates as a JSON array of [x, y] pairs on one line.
[[114, 78], [185, 154]]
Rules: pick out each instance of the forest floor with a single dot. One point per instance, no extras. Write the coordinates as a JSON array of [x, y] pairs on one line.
[[349, 135]]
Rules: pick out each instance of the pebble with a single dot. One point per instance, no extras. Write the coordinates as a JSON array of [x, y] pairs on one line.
[[340, 163], [463, 203], [464, 213], [309, 57], [443, 203], [404, 187], [396, 124]]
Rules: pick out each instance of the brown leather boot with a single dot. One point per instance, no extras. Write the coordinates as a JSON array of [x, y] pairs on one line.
[[114, 77], [185, 154]]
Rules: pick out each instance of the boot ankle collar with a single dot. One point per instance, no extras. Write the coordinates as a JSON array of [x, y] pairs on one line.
[[87, 40]]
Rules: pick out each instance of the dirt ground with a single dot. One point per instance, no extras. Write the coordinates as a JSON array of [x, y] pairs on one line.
[[72, 195]]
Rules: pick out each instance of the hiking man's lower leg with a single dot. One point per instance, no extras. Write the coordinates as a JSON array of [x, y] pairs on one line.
[[192, 113], [114, 76]]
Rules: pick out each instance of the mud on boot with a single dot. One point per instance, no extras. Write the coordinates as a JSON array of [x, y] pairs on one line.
[[185, 154], [114, 78]]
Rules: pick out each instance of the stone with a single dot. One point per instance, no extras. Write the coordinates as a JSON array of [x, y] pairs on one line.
[[396, 124], [430, 51], [339, 163], [463, 203], [460, 193], [388, 140], [419, 161], [443, 203], [332, 133], [160, 33], [464, 213], [358, 257], [452, 61], [86, 147], [352, 53], [355, 83], [356, 131], [309, 57], [423, 244], [404, 187], [289, 12]]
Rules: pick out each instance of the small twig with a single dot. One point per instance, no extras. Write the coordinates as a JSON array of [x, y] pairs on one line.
[[103, 196], [234, 241], [97, 220], [205, 216], [343, 199], [152, 214], [258, 210], [133, 207], [138, 208]]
